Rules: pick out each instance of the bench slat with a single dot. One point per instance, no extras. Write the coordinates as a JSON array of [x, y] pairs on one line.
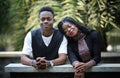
[[105, 67]]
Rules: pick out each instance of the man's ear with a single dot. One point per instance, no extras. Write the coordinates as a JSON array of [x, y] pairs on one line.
[[54, 20], [38, 20]]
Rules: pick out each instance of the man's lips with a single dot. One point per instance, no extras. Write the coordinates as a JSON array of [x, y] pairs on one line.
[[46, 26]]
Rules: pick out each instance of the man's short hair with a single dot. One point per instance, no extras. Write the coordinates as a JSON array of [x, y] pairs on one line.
[[46, 8]]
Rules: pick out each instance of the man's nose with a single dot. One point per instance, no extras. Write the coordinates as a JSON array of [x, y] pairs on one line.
[[45, 20]]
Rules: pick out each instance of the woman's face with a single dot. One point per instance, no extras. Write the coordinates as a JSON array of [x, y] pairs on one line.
[[69, 29]]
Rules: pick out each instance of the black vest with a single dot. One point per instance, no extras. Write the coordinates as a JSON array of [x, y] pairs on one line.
[[39, 47]]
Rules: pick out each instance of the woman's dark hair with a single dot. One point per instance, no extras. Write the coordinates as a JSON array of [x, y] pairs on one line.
[[82, 28]]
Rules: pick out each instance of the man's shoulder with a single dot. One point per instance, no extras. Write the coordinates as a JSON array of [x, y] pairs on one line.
[[57, 31], [33, 32]]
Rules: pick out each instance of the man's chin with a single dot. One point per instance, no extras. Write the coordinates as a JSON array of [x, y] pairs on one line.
[[46, 28]]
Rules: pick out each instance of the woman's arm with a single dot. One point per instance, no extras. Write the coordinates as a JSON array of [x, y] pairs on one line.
[[71, 55], [96, 38]]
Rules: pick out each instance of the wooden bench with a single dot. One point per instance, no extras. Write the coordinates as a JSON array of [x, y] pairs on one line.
[[18, 67], [105, 70], [10, 63]]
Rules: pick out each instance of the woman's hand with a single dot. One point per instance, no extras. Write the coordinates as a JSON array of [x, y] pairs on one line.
[[79, 66]]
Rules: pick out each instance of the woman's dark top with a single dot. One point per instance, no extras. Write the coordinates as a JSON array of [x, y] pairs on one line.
[[93, 41]]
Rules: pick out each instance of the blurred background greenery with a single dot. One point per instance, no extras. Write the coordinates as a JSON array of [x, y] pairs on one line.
[[17, 17]]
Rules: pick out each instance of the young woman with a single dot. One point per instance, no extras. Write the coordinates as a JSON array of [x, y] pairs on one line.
[[84, 45]]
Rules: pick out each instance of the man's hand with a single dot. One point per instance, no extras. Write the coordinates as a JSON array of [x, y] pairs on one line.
[[42, 63]]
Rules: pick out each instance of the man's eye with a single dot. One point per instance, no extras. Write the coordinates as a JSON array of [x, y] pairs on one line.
[[43, 19], [49, 19]]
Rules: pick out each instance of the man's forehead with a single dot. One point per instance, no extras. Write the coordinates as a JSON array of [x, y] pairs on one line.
[[46, 14]]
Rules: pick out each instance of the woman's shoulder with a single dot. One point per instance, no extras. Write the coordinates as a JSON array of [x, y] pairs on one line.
[[93, 32]]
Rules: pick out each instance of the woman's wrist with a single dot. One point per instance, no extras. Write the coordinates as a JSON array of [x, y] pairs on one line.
[[74, 63], [90, 64]]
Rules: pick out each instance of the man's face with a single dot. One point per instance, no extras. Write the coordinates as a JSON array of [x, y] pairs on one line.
[[46, 20]]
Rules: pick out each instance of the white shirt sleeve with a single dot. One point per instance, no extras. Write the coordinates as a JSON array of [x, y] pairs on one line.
[[27, 48], [63, 46]]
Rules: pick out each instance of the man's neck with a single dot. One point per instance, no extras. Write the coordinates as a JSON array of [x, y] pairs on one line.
[[47, 33]]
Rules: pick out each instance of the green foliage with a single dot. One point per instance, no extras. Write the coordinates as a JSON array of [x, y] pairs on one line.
[[18, 14], [33, 11], [99, 14], [113, 38], [22, 15], [117, 15], [4, 5], [4, 24], [5, 41]]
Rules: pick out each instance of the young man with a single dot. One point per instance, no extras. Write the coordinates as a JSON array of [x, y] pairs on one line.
[[46, 45]]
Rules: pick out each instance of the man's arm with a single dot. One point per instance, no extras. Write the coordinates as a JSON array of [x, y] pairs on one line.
[[27, 51], [60, 60], [62, 57], [26, 60]]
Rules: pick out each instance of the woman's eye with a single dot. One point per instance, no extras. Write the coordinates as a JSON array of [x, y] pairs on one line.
[[69, 25], [65, 31]]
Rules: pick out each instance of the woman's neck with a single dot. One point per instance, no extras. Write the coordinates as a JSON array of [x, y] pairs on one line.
[[78, 36]]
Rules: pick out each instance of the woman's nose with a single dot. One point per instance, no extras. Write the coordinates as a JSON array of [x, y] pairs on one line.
[[68, 29]]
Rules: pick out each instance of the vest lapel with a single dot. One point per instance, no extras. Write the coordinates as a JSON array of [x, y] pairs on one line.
[[40, 39]]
